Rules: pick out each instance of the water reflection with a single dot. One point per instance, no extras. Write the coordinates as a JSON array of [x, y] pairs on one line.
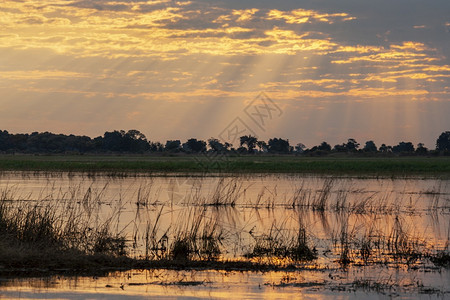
[[350, 222], [137, 284], [247, 206]]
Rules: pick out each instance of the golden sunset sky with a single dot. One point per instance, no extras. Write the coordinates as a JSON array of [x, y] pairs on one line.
[[369, 70]]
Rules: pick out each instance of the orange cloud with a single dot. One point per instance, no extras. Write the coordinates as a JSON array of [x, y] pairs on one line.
[[300, 16], [40, 74], [244, 15]]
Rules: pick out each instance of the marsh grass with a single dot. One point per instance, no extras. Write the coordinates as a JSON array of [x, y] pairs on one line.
[[404, 245], [155, 248], [317, 201], [226, 193], [55, 232], [368, 243], [265, 199], [320, 203], [199, 239], [279, 244], [195, 238], [62, 227], [441, 258]]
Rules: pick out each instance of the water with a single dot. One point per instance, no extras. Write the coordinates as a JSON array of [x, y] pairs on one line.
[[385, 216], [168, 284]]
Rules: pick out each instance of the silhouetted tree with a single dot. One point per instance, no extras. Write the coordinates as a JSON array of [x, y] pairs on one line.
[[156, 147], [352, 145], [385, 149], [277, 145], [324, 146], [173, 146], [299, 148], [421, 149], [217, 146], [112, 141], [403, 147], [20, 142], [249, 141], [443, 142], [242, 150], [135, 135], [340, 148], [98, 144], [262, 146], [135, 141], [370, 147], [80, 144], [5, 143], [194, 146], [120, 141]]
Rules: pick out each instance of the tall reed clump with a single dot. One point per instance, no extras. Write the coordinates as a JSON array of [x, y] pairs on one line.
[[200, 240], [341, 240], [226, 192], [344, 256], [402, 245], [441, 258], [305, 198], [28, 224], [54, 232], [320, 203], [280, 244], [154, 248], [301, 197]]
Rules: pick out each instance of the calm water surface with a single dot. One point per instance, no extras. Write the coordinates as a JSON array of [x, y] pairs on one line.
[[248, 210]]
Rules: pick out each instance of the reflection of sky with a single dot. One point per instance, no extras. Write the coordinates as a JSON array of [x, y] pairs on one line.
[[338, 69], [263, 204]]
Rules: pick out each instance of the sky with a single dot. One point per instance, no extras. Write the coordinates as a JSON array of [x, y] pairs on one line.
[[308, 71]]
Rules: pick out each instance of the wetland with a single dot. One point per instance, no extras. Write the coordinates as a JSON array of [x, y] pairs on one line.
[[78, 234]]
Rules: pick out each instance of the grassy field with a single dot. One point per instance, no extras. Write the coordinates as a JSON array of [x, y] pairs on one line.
[[373, 166]]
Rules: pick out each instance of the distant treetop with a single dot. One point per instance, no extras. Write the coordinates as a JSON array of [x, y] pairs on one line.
[[134, 141]]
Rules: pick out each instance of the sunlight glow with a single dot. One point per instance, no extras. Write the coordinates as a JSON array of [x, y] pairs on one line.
[[189, 52]]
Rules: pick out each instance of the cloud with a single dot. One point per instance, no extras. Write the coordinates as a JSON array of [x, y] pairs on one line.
[[40, 74], [208, 52], [299, 16], [244, 15]]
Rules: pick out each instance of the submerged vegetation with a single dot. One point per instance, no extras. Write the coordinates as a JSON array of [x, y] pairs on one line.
[[82, 228], [55, 235], [275, 245], [316, 232]]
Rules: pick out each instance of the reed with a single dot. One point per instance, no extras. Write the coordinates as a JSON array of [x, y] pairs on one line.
[[279, 244], [226, 193], [54, 230], [320, 203], [72, 223]]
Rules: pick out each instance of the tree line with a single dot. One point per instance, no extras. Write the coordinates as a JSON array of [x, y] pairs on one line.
[[133, 141]]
